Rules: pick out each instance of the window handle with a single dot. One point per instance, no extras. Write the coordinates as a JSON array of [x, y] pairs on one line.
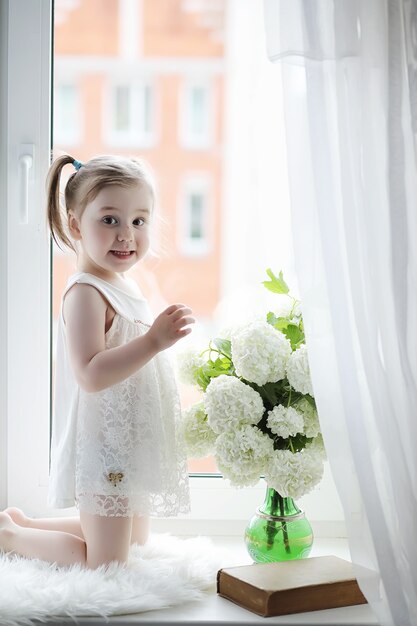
[[25, 166]]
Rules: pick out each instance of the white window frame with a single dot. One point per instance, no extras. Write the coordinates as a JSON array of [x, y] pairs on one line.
[[136, 136], [188, 139], [25, 273], [199, 183], [70, 133], [25, 300]]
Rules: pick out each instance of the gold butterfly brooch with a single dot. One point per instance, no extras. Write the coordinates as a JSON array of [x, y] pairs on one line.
[[114, 477]]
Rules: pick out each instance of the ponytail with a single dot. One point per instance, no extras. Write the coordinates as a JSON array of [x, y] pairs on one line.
[[54, 212]]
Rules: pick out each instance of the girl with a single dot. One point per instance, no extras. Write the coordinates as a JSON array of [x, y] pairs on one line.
[[117, 452]]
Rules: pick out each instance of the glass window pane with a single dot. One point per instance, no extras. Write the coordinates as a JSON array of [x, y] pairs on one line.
[[66, 108], [196, 216], [147, 109], [198, 113], [138, 78], [122, 99]]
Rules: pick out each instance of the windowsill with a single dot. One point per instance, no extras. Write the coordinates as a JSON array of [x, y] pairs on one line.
[[214, 609]]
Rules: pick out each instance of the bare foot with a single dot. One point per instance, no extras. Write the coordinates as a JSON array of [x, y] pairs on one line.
[[17, 516], [6, 521], [7, 528]]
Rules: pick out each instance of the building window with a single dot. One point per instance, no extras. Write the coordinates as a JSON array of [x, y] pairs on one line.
[[130, 120], [196, 230], [193, 224], [196, 111], [122, 100], [67, 128]]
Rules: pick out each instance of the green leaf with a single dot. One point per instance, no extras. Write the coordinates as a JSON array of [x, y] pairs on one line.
[[262, 424], [222, 365], [271, 393], [224, 346], [310, 400], [276, 284], [294, 334], [202, 379], [299, 442], [279, 323], [212, 369], [271, 318], [280, 443]]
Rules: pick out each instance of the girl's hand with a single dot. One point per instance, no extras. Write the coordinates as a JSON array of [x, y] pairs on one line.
[[168, 327]]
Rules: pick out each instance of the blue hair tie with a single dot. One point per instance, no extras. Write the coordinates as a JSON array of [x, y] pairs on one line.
[[77, 164]]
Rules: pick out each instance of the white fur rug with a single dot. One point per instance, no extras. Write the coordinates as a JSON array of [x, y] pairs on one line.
[[165, 572]]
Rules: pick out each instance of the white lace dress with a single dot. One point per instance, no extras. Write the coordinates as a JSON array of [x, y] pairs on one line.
[[119, 451]]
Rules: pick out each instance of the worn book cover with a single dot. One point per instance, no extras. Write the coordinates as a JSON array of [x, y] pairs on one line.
[[312, 584]]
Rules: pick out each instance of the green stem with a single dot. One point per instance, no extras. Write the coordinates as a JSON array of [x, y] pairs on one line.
[[271, 529], [284, 527], [210, 349], [294, 302], [289, 397], [277, 506]]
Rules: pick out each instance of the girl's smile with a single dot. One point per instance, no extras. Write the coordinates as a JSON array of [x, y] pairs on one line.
[[122, 255]]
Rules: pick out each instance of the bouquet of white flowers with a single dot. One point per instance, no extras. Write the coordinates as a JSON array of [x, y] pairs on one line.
[[258, 414]]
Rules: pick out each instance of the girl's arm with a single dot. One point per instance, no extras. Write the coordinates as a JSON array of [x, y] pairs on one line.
[[96, 367]]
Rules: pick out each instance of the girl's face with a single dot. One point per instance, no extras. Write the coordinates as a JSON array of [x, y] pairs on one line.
[[114, 229]]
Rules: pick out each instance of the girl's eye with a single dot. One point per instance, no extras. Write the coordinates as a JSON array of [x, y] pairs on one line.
[[139, 221]]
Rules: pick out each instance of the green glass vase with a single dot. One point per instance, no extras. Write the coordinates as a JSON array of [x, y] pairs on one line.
[[279, 531]]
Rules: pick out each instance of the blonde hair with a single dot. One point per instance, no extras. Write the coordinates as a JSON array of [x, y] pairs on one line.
[[84, 185]]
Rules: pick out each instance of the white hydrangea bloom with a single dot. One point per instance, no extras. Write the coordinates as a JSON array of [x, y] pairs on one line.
[[310, 417], [188, 360], [298, 371], [230, 403], [287, 308], [260, 352], [293, 474], [198, 436], [285, 421], [243, 454]]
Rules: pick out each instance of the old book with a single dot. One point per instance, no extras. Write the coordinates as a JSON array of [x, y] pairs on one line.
[[313, 584]]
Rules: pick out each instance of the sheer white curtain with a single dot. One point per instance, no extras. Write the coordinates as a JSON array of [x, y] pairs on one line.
[[350, 88]]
